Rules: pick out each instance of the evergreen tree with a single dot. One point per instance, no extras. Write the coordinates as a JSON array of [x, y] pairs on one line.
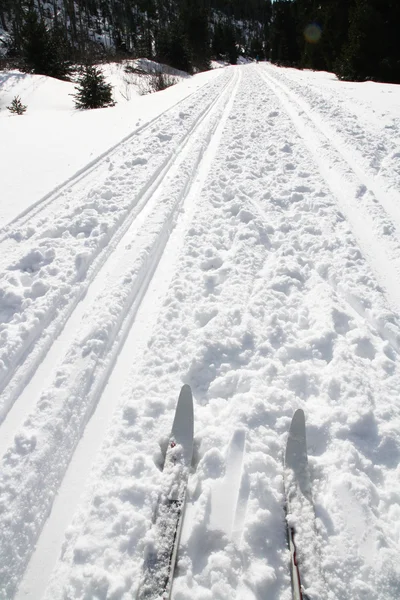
[[230, 43], [285, 48], [218, 42], [44, 52], [224, 42], [16, 107], [195, 20], [59, 61], [35, 44], [92, 90], [322, 28], [256, 49], [172, 48], [144, 44], [373, 47]]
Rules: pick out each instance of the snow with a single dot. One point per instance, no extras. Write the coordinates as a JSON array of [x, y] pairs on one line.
[[57, 142], [238, 232]]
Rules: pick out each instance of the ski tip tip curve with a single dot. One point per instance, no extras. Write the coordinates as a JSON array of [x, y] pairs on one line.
[[185, 400], [183, 425], [299, 419], [186, 389]]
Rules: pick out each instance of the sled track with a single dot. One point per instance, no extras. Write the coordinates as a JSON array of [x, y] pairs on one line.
[[36, 458], [374, 221], [58, 304]]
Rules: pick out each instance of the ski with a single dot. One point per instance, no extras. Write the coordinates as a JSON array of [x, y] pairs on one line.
[[160, 558], [298, 495]]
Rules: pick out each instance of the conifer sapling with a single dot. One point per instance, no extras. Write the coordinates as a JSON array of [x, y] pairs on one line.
[[16, 106], [92, 90]]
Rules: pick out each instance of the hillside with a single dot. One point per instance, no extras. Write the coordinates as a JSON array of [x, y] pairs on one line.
[[332, 35], [184, 34]]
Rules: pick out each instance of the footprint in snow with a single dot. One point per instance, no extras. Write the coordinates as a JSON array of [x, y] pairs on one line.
[[203, 317], [341, 322], [211, 263], [365, 348], [287, 148], [164, 137]]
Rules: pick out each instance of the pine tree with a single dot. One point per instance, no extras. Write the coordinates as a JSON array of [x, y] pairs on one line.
[[218, 42], [92, 90], [357, 38], [224, 43], [35, 44], [285, 48], [322, 28], [44, 51], [230, 43], [195, 22], [172, 47], [256, 49], [16, 107], [373, 47]]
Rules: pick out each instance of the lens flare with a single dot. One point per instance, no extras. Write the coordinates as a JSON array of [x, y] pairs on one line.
[[312, 33]]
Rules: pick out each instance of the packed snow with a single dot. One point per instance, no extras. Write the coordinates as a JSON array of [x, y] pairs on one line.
[[53, 142], [240, 233]]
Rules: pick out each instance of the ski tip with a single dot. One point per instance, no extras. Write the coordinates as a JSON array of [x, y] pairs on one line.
[[186, 389], [185, 401], [298, 419], [183, 425], [296, 446]]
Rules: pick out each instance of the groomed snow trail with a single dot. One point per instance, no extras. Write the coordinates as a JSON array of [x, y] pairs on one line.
[[38, 452], [241, 246], [50, 255]]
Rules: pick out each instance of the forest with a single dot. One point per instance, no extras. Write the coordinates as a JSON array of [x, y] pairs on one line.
[[356, 39]]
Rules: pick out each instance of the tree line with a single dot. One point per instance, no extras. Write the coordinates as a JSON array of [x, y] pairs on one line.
[[185, 34], [356, 39]]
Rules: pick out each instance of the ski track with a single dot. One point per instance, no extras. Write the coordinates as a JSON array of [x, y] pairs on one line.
[[133, 347], [61, 412], [258, 263], [25, 216], [369, 132], [69, 240], [378, 236]]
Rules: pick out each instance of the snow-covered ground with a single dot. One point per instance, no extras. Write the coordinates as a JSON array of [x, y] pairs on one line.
[[53, 143], [244, 238]]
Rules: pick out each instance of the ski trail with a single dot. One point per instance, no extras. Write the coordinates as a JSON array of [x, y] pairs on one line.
[[27, 348], [388, 197], [202, 146], [355, 128], [34, 209], [378, 318], [368, 219], [132, 224], [245, 248], [232, 251]]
